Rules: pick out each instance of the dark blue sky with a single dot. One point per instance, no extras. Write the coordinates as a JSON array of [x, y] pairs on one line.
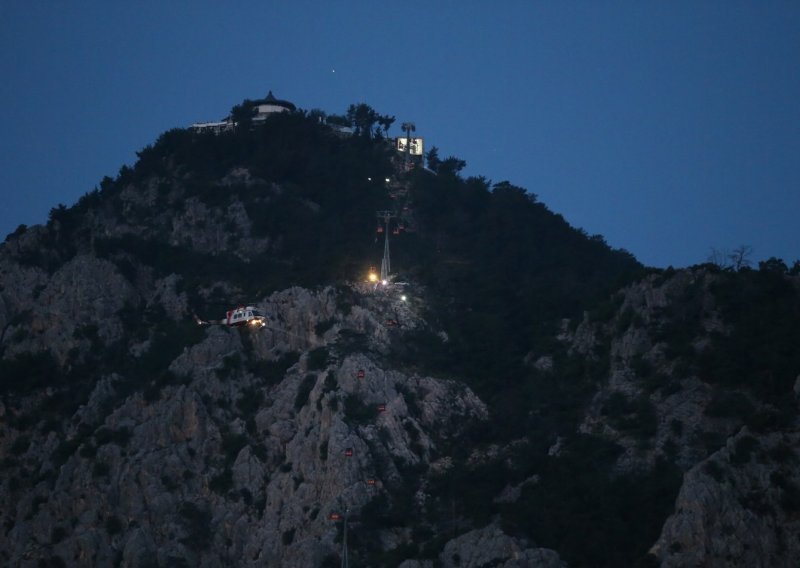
[[669, 128]]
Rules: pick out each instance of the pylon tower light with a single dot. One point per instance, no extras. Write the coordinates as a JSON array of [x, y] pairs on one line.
[[386, 262]]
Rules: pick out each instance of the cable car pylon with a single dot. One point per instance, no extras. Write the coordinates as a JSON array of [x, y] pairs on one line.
[[345, 559], [386, 263]]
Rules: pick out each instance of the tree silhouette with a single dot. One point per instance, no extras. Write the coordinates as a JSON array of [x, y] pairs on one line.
[[451, 165], [740, 257], [363, 119], [385, 121], [433, 159], [735, 259]]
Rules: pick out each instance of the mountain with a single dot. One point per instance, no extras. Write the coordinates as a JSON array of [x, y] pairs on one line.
[[518, 393]]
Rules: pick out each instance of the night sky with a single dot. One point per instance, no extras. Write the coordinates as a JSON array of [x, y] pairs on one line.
[[667, 127]]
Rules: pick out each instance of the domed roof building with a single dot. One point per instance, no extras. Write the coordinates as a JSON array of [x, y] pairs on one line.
[[269, 105], [261, 109]]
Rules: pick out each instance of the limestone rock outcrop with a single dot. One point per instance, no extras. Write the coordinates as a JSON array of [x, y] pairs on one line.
[[738, 507], [230, 458], [489, 546]]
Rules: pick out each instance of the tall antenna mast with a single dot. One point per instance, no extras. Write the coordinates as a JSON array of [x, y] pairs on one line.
[[408, 128]]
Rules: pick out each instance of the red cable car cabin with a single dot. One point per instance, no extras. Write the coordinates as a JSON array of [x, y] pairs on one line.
[[360, 374], [348, 453], [335, 517], [381, 407]]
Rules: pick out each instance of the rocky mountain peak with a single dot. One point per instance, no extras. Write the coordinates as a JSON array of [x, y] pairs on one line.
[[517, 393]]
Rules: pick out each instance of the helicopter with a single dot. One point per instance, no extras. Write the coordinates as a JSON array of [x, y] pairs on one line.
[[237, 317]]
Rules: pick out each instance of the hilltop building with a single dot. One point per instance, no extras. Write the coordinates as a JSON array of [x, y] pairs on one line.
[[261, 109], [216, 127]]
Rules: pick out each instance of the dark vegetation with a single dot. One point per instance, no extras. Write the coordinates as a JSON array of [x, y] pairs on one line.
[[357, 412], [304, 390], [503, 270], [759, 355], [272, 372], [196, 522], [322, 213], [595, 517], [29, 371]]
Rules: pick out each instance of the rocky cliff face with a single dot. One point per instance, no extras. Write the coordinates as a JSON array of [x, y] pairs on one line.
[[738, 507], [50, 308], [653, 402], [243, 453], [238, 460], [737, 504]]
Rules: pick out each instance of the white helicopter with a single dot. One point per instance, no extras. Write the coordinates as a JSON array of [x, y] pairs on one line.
[[242, 316]]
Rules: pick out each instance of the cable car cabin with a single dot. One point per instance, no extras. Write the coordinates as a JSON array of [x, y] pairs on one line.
[[245, 315], [379, 230], [371, 482], [382, 407], [360, 374], [396, 231], [335, 517], [391, 323], [348, 453]]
